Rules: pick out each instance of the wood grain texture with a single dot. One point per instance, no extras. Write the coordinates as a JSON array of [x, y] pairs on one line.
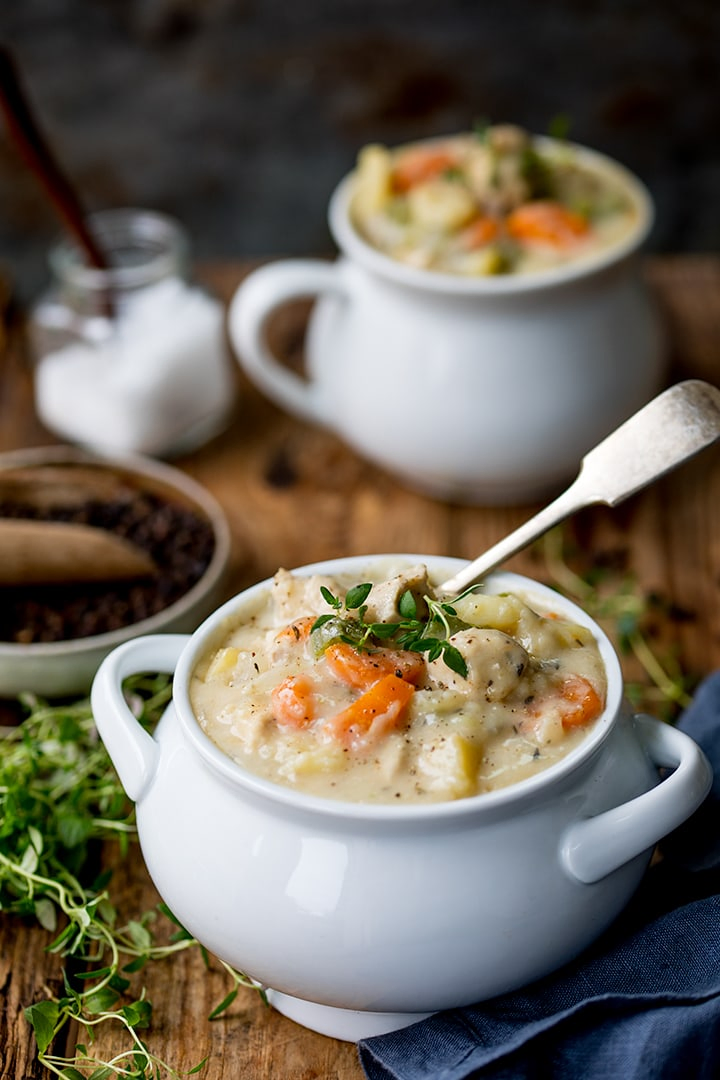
[[249, 1040], [294, 494]]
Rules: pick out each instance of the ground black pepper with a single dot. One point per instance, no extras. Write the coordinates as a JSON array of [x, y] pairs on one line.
[[180, 541]]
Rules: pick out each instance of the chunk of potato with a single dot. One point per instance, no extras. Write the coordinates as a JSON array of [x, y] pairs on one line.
[[450, 766], [498, 612], [314, 760], [223, 663], [441, 204], [373, 180], [572, 635]]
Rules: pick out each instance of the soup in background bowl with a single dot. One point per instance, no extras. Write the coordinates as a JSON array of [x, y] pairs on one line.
[[477, 354], [493, 202], [363, 916]]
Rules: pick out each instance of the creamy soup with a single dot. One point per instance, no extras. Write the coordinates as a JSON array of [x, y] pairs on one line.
[[493, 202], [380, 693]]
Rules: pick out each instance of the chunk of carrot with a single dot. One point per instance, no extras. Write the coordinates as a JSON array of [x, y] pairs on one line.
[[293, 701], [547, 222], [478, 233], [295, 632], [362, 669], [581, 703], [375, 713], [418, 164]]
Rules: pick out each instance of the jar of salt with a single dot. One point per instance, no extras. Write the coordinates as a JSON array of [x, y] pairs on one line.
[[132, 359]]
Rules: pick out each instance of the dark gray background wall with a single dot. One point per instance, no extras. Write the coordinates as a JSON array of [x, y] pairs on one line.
[[239, 116]]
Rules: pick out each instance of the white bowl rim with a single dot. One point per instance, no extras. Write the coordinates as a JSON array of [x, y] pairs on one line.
[[352, 244], [486, 802], [138, 466]]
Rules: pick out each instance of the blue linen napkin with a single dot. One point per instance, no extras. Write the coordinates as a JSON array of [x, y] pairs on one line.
[[642, 1004]]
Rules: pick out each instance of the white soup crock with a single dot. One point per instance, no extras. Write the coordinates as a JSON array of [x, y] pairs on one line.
[[482, 390], [365, 918]]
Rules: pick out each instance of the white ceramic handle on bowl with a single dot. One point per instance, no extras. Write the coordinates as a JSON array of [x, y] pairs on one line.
[[132, 751], [257, 297], [593, 848]]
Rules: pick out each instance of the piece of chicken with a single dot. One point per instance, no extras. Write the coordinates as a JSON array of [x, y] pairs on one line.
[[496, 664], [384, 599]]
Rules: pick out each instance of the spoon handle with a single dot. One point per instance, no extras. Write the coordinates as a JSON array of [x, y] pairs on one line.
[[36, 150], [672, 428], [571, 500]]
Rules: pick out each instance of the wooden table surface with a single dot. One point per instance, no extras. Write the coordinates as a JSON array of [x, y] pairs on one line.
[[294, 494]]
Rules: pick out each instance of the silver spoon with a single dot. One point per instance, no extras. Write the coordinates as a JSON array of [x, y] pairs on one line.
[[672, 428]]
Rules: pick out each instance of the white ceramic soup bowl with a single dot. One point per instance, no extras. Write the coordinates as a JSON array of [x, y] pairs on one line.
[[472, 389], [364, 918]]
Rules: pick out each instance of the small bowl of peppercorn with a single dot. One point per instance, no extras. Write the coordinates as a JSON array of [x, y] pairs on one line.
[[95, 550]]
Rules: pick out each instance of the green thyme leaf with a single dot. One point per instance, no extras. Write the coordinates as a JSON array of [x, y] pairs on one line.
[[42, 1017], [165, 910], [408, 605], [455, 660], [74, 829], [434, 649], [136, 965], [46, 914], [224, 1004], [139, 935], [357, 596], [71, 1073], [138, 1014], [101, 1000], [328, 597], [100, 973]]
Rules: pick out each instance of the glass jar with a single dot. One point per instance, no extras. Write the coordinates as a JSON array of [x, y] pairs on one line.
[[132, 358]]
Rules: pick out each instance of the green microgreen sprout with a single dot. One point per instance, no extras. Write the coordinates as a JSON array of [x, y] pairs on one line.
[[59, 799], [616, 601]]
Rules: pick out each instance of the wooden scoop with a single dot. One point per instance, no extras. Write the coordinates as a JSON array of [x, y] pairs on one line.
[[59, 484], [58, 552]]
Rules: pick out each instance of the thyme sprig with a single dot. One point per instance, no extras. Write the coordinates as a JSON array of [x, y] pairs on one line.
[[59, 798], [425, 629]]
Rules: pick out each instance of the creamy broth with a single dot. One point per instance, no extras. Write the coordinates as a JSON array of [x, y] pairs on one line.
[[489, 203], [295, 696]]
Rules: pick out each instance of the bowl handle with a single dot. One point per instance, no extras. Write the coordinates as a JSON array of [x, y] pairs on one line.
[[133, 752], [595, 847], [254, 301]]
